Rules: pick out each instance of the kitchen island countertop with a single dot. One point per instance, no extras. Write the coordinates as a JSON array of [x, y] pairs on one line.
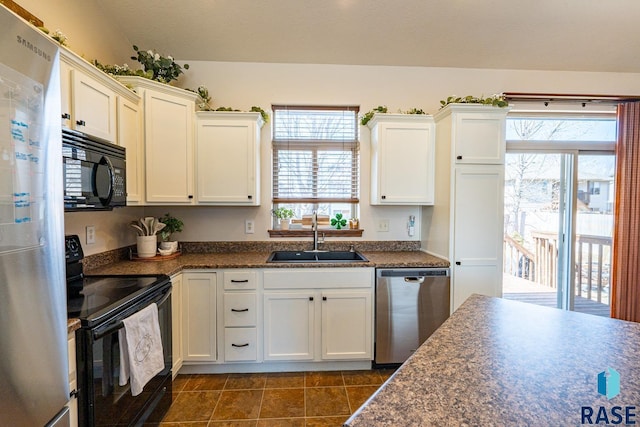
[[218, 260], [496, 362]]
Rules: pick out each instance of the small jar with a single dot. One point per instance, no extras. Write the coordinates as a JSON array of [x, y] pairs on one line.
[[354, 223]]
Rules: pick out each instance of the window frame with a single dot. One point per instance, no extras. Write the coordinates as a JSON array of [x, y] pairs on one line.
[[350, 144]]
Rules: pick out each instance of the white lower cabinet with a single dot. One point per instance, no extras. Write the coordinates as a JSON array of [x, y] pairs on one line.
[[289, 325], [73, 381], [264, 318], [199, 316], [478, 202], [346, 325], [332, 319], [176, 323]]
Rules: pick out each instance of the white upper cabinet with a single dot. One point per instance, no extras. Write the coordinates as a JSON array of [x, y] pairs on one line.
[[168, 141], [402, 159], [478, 136], [89, 98], [94, 107], [227, 158], [130, 137]]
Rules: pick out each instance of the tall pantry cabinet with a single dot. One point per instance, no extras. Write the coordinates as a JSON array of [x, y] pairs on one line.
[[465, 225]]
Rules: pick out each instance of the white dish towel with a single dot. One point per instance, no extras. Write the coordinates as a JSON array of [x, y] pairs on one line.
[[141, 354]]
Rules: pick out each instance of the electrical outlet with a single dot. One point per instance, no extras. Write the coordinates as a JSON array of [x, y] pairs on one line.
[[248, 226], [383, 225], [91, 234]]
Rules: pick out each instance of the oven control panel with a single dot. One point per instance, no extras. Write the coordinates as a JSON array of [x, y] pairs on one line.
[[73, 249]]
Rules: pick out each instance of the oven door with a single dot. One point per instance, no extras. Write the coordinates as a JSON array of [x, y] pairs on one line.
[[102, 401]]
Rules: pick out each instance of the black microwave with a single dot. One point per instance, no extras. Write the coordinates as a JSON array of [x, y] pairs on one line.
[[94, 173]]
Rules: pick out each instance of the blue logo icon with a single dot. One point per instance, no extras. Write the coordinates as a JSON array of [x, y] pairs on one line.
[[609, 383]]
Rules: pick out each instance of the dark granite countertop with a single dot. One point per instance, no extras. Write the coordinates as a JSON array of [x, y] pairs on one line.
[[496, 362], [386, 259], [73, 325]]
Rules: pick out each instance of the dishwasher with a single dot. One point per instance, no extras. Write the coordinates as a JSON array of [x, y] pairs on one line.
[[410, 304]]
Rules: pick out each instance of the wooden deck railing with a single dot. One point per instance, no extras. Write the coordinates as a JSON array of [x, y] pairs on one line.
[[518, 260], [593, 262]]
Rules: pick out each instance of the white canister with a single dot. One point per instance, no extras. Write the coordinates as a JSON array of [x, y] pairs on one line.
[[147, 246]]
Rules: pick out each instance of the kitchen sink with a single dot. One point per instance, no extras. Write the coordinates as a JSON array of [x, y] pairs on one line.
[[315, 257]]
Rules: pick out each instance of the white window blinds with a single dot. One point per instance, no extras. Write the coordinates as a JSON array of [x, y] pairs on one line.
[[315, 154]]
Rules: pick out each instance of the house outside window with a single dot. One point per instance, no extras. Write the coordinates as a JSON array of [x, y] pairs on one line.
[[316, 160]]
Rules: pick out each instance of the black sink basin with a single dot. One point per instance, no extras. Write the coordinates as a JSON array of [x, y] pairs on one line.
[[314, 257]]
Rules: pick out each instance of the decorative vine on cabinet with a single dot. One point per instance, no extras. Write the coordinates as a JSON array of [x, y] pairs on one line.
[[402, 159]]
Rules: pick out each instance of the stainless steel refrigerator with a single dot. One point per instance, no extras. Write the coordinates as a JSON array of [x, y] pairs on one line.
[[33, 319]]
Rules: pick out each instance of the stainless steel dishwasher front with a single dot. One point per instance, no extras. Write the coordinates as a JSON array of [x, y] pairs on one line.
[[411, 303]]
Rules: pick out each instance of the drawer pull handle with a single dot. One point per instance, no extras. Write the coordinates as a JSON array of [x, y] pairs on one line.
[[240, 345], [81, 123], [66, 116], [240, 281], [235, 310]]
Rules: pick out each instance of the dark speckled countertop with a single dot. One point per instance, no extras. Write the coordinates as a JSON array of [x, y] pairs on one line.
[[496, 362], [380, 259]]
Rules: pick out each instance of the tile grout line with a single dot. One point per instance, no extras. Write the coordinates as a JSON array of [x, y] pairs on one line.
[[218, 401]]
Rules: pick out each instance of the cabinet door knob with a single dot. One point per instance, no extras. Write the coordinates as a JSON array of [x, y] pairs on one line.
[[384, 197], [310, 298], [81, 123], [458, 263], [249, 197], [324, 298], [66, 116], [459, 157], [190, 196]]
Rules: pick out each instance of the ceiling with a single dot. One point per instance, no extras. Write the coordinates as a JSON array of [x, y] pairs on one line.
[[570, 35]]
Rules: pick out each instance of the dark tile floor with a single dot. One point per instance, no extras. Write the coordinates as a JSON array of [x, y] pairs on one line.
[[298, 399]]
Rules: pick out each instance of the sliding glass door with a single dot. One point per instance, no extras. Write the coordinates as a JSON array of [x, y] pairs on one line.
[[558, 216]]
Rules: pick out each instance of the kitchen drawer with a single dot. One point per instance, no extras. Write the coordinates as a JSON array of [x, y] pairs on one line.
[[240, 309], [234, 280], [240, 344]]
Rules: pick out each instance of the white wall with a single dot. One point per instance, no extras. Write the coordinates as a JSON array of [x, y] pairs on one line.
[[112, 228]]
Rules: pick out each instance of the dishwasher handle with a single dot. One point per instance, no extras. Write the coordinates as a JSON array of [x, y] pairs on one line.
[[414, 273], [414, 279]]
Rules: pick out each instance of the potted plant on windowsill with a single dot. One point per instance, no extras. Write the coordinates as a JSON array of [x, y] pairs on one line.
[[284, 216], [172, 225]]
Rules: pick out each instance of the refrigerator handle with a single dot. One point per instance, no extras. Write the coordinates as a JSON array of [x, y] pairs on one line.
[[418, 280]]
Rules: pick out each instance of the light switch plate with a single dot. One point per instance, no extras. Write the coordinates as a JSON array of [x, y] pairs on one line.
[[249, 226], [383, 225]]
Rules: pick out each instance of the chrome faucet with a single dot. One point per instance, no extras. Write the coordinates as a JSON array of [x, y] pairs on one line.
[[314, 227]]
